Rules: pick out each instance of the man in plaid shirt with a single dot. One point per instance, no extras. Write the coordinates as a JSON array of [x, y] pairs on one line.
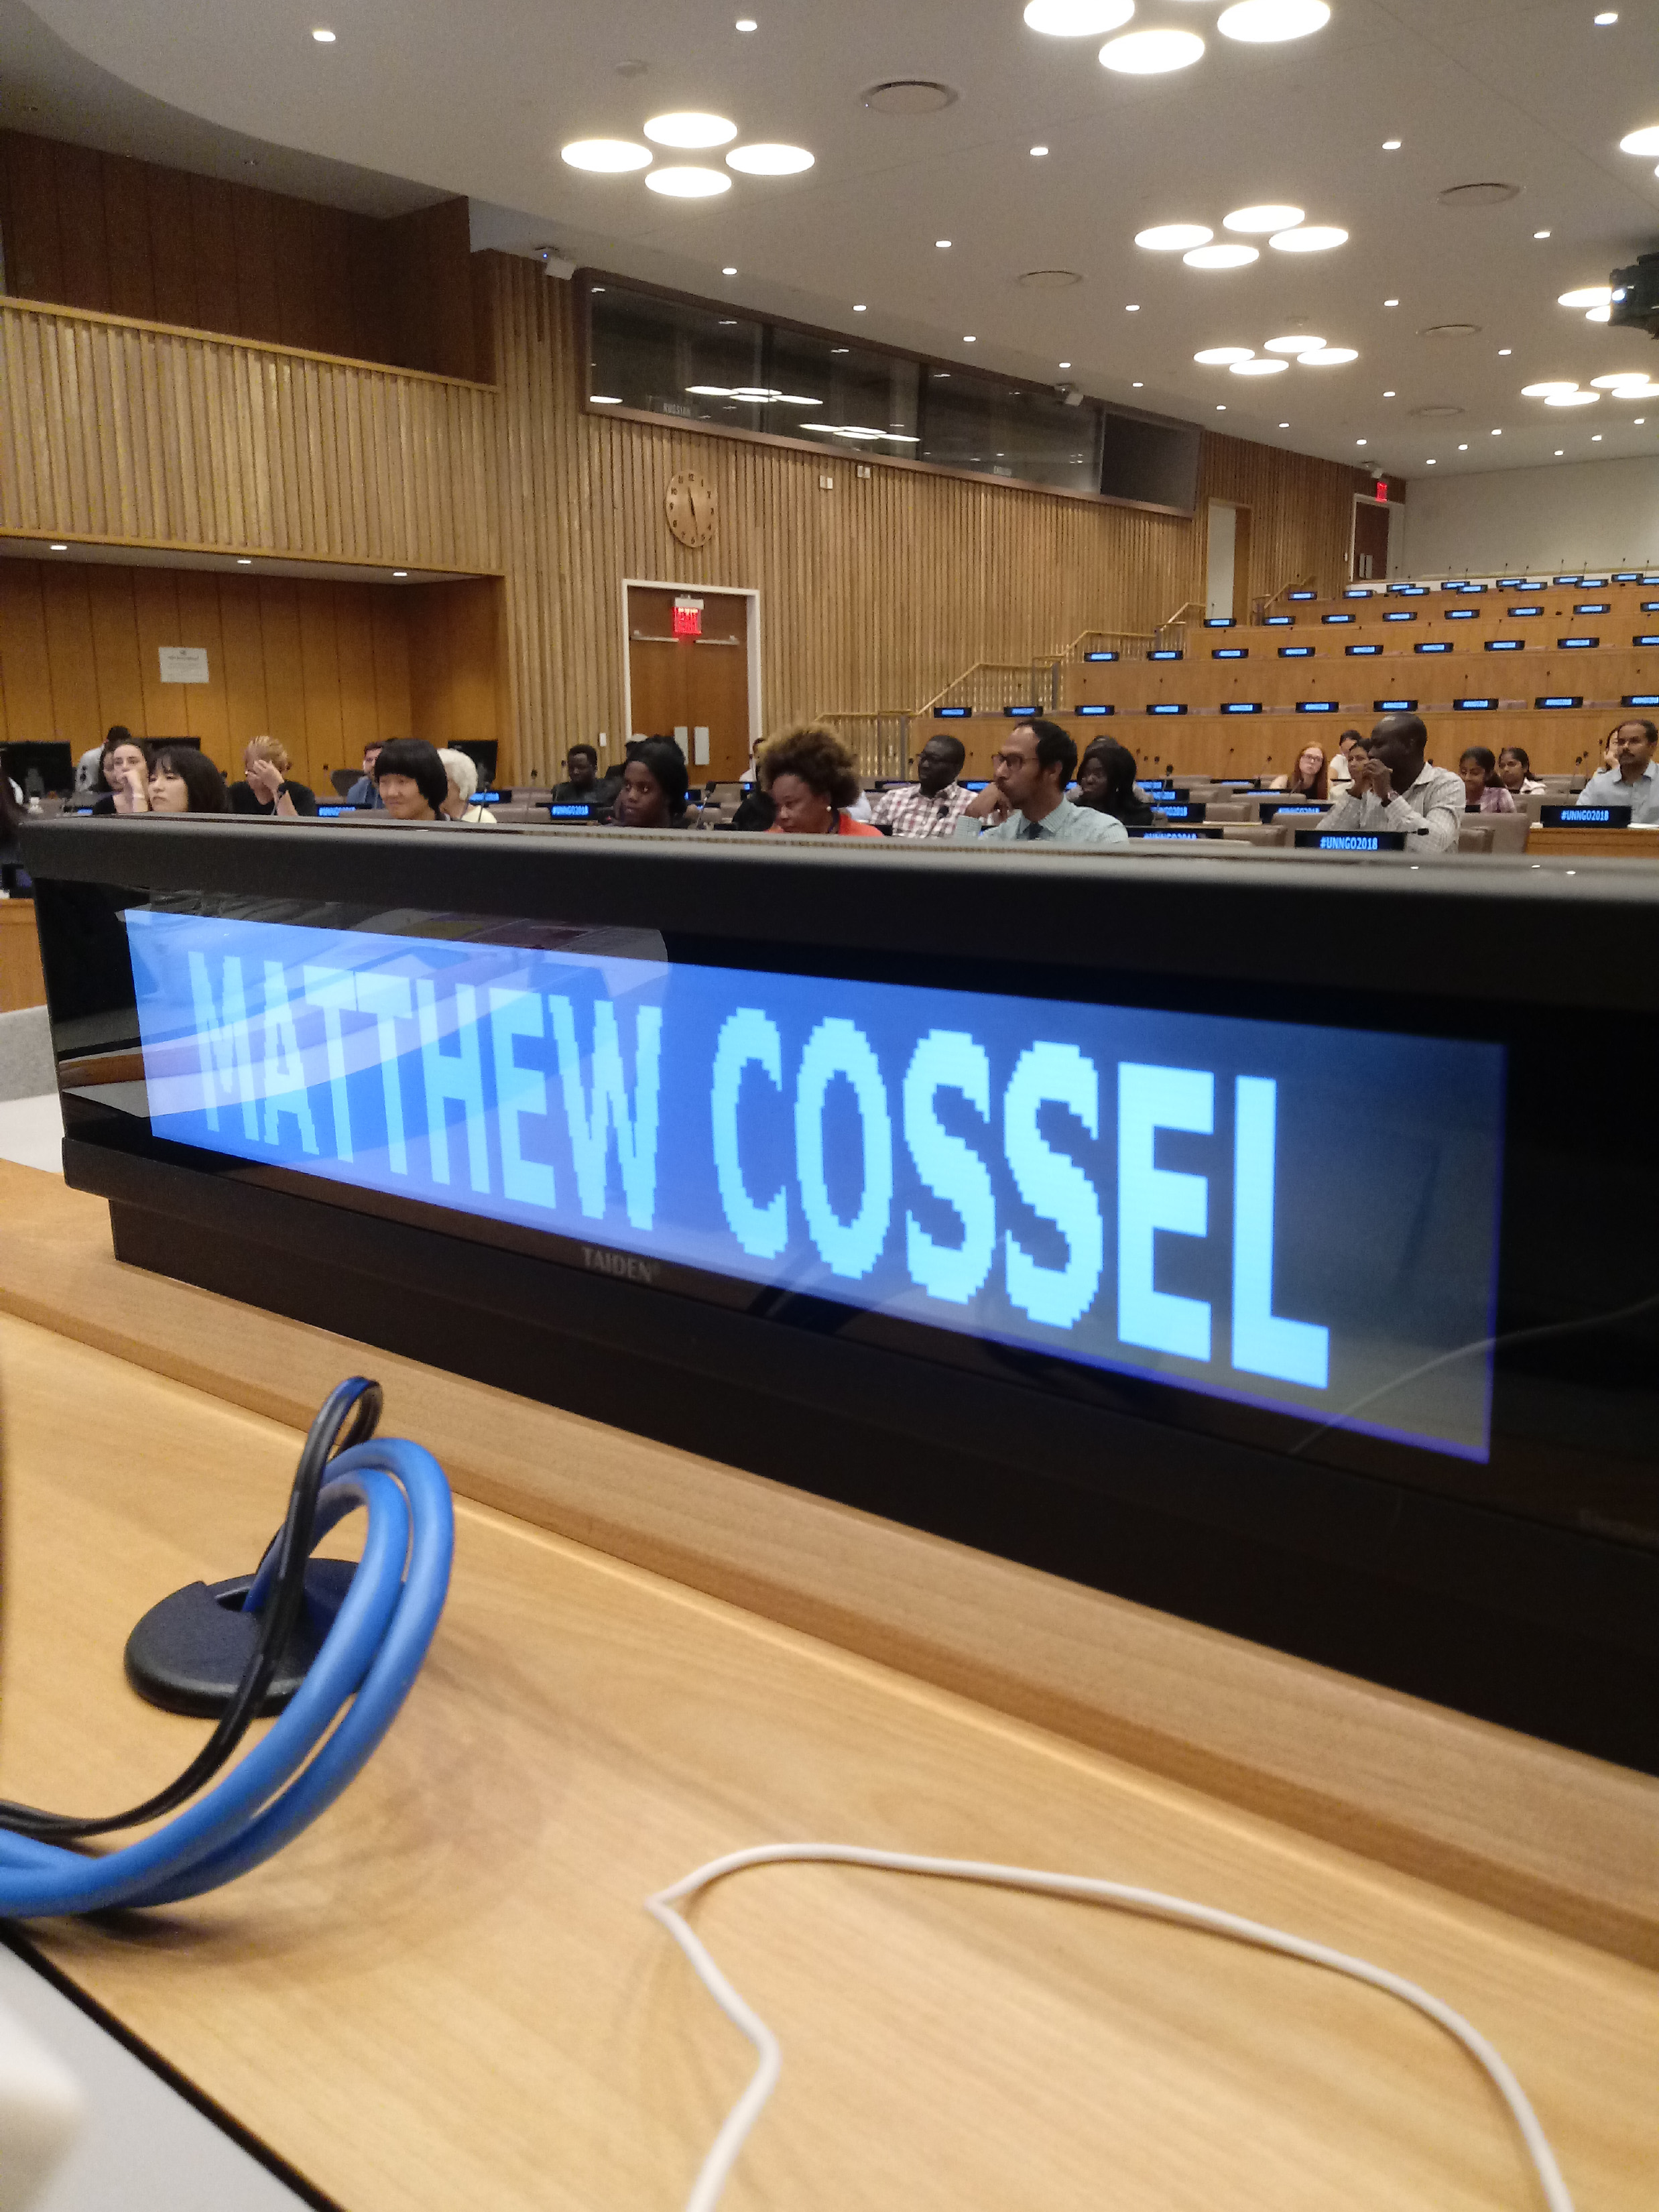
[[933, 805]]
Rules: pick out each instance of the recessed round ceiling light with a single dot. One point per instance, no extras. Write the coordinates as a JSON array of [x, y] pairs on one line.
[[1637, 392], [1543, 390], [1645, 141], [1259, 367], [1619, 376], [1038, 152], [1078, 19], [1572, 399], [1304, 344], [769, 161], [1390, 395], [728, 272], [1223, 356], [1329, 357], [1132, 306], [1065, 364], [608, 157], [1391, 145], [323, 37], [1150, 53], [1173, 237], [1220, 257], [858, 310], [1311, 237], [1262, 22], [1391, 303], [686, 183], [1607, 15], [689, 127], [754, 392], [1587, 296], [1541, 234], [970, 340], [1262, 218], [1599, 315], [1463, 449], [1359, 441], [746, 23], [709, 390], [943, 244]]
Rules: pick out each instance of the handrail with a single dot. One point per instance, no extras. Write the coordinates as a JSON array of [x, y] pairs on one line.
[[1295, 584]]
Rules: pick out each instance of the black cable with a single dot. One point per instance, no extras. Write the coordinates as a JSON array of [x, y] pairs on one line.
[[356, 1400]]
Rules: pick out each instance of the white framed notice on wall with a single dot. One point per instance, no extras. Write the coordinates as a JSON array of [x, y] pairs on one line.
[[183, 664]]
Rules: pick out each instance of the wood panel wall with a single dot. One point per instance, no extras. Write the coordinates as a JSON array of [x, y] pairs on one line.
[[873, 595], [116, 236], [327, 667], [130, 434]]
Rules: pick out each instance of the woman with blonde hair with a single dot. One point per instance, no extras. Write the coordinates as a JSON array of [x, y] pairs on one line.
[[812, 780], [265, 786]]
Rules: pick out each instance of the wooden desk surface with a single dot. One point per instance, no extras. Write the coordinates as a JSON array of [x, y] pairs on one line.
[[446, 1994], [22, 983]]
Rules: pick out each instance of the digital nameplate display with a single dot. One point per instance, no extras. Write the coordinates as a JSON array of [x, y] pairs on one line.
[[1506, 644], [1593, 607], [1296, 653], [569, 810], [952, 713], [1166, 707], [1097, 709], [1230, 652], [1218, 621], [1462, 614], [1170, 836], [1361, 651], [1118, 1186], [1240, 706], [1394, 706], [1351, 841], [1302, 595], [1026, 714], [1521, 614], [1644, 637], [1189, 811], [1167, 652], [1577, 644], [1100, 656], [1473, 705], [1432, 645], [1558, 699], [1402, 614], [1411, 590], [1640, 698], [1280, 622], [1316, 706], [1271, 813], [1585, 818], [1338, 618]]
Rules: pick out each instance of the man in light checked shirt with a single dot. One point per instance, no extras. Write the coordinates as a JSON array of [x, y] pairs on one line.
[[931, 807]]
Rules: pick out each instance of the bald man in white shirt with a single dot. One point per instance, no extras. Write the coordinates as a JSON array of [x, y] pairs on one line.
[[1394, 787]]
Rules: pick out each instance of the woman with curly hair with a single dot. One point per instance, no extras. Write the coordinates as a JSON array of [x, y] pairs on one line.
[[809, 776]]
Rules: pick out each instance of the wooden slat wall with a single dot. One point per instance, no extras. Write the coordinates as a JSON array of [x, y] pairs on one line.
[[121, 237], [129, 433], [873, 595], [325, 666]]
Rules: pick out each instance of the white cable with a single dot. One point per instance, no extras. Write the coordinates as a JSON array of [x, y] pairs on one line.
[[740, 2120]]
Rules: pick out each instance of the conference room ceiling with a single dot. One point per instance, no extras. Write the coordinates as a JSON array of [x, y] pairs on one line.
[[1534, 94]]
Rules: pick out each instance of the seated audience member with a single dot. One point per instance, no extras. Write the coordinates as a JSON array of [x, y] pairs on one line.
[[181, 781], [123, 763], [1307, 778], [267, 787], [1106, 782], [363, 793], [809, 776], [654, 787], [410, 779], [581, 786], [87, 783], [1395, 788], [1337, 771], [1482, 792], [933, 803], [1038, 761], [1635, 782], [1514, 773], [461, 774]]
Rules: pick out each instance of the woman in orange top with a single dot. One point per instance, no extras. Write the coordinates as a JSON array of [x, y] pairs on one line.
[[811, 777]]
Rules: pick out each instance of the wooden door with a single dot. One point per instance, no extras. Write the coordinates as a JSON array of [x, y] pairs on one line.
[[681, 685], [1370, 539]]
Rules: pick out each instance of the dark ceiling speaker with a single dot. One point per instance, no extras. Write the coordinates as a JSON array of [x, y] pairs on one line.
[[1478, 196], [909, 95]]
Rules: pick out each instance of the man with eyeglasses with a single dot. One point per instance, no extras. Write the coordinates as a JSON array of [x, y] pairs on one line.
[[1036, 762]]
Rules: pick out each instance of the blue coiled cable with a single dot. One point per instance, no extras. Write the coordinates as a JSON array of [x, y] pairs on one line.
[[349, 1697]]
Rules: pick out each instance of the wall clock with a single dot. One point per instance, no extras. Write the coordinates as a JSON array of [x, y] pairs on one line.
[[689, 507]]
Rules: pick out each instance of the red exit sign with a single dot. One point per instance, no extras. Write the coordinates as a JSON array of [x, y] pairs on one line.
[[688, 618]]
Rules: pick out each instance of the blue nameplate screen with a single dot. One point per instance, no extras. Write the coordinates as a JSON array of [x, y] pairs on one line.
[[1118, 1186]]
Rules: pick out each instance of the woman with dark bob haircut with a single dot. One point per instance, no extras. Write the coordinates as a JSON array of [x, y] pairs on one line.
[[411, 779], [181, 780], [811, 777], [654, 787]]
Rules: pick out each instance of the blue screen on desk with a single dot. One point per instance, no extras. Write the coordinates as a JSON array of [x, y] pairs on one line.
[[1117, 1186]]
